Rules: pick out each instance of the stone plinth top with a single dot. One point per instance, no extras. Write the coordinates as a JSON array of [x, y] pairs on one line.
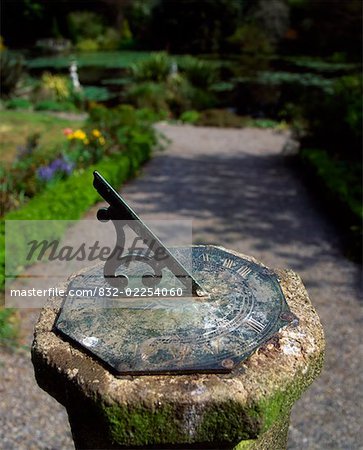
[[248, 408]]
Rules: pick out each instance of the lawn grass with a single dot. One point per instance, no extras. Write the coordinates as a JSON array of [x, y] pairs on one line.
[[16, 126], [107, 60]]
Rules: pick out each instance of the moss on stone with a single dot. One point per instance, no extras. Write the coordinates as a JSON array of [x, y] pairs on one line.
[[279, 405], [142, 426], [227, 423]]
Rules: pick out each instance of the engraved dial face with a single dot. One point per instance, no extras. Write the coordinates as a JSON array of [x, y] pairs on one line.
[[148, 331]]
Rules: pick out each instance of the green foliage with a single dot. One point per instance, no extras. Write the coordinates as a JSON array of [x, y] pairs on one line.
[[159, 85], [11, 71], [125, 127], [85, 25], [18, 103], [87, 45], [52, 105], [335, 120], [348, 89], [264, 123], [191, 117], [156, 68], [9, 327], [302, 79], [321, 65], [197, 98], [96, 93], [342, 178], [148, 95], [94, 36], [200, 73], [56, 86], [110, 39], [339, 184]]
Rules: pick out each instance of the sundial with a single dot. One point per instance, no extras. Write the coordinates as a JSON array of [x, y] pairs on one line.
[[170, 310]]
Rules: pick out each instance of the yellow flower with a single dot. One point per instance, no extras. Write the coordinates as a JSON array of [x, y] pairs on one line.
[[86, 141], [96, 133], [79, 134], [101, 140]]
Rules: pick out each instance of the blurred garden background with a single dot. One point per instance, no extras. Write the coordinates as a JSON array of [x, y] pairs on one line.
[[83, 84], [116, 67]]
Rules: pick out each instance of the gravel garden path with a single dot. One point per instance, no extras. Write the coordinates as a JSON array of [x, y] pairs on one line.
[[240, 193]]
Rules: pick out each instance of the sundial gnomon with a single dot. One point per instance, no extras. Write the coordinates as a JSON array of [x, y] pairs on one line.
[[192, 309]]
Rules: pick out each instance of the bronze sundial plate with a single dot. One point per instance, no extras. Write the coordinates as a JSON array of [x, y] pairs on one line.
[[153, 334]]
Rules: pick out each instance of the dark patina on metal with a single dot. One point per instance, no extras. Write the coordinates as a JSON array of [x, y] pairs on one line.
[[241, 307]]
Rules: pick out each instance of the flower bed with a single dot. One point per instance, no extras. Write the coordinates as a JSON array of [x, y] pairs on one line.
[[67, 193]]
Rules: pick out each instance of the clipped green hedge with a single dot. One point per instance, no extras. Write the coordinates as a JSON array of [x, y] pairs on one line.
[[340, 178], [338, 184], [69, 199]]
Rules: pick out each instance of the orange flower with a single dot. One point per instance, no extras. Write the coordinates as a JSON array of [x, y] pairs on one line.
[[67, 131]]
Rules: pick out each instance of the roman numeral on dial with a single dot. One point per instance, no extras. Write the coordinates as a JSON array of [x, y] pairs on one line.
[[228, 263], [244, 271], [254, 324], [205, 257]]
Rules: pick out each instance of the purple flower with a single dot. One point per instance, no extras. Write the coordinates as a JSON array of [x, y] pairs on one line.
[[45, 173], [59, 166]]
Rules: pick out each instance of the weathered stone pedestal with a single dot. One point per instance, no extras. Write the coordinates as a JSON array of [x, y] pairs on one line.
[[247, 409]]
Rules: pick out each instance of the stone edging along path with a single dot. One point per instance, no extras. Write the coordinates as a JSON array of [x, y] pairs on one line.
[[239, 192]]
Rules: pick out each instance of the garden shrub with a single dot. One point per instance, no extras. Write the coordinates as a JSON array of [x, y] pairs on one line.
[[148, 94], [110, 39], [96, 93], [200, 73], [18, 103], [339, 185], [123, 125], [198, 98], [339, 177], [160, 85], [156, 68], [53, 105], [87, 45], [85, 25], [191, 117], [57, 86], [335, 120], [9, 327]]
